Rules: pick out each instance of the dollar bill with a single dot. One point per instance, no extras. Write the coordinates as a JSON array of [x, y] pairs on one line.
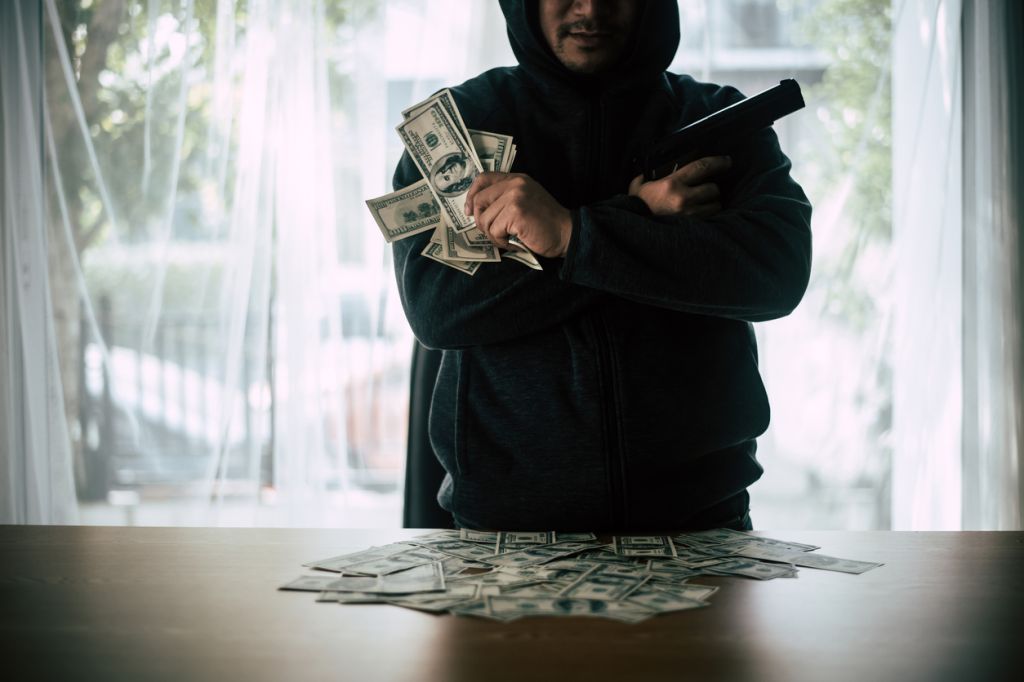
[[447, 161], [644, 545], [408, 211], [689, 590], [538, 554], [514, 541], [524, 257], [713, 536], [309, 583], [556, 574], [574, 537], [447, 101], [512, 607], [597, 584], [493, 149], [459, 548], [751, 568], [338, 563], [435, 251], [831, 563], [396, 562], [663, 602], [425, 578], [458, 249], [482, 536]]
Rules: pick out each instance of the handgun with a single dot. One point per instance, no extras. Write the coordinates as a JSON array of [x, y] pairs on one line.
[[717, 132]]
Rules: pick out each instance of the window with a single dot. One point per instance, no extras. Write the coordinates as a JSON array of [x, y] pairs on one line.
[[242, 356]]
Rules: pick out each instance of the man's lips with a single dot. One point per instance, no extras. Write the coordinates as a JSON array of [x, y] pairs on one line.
[[589, 38]]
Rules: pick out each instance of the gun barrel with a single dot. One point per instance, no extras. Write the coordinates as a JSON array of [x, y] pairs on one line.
[[721, 127]]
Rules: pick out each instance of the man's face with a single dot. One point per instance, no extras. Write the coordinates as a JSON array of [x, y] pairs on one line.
[[588, 36]]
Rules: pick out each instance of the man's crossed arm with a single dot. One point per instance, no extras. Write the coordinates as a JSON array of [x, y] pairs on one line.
[[515, 205]]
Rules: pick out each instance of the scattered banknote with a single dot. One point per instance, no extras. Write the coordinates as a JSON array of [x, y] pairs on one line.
[[508, 575], [449, 156], [644, 545]]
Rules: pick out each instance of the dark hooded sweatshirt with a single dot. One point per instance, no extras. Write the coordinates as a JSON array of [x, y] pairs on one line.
[[618, 388]]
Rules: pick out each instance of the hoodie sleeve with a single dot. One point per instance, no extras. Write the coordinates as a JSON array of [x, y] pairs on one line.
[[749, 262], [503, 301]]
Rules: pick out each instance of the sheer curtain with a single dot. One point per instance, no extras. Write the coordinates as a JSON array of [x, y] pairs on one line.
[[190, 184], [36, 484], [198, 321], [957, 220], [993, 454]]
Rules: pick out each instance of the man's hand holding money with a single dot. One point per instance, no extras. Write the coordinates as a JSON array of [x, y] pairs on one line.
[[515, 205]]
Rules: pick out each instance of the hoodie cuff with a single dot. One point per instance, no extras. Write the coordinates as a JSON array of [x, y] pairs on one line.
[[581, 246]]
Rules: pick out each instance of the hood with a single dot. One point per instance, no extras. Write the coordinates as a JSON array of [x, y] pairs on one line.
[[647, 57]]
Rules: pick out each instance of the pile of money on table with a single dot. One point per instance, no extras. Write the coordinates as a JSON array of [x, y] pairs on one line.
[[508, 575], [449, 156]]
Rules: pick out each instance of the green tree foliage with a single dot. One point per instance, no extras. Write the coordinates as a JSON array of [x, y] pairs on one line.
[[855, 109]]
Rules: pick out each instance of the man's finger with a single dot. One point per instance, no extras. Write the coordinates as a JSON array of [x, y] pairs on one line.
[[497, 218], [481, 182], [702, 194], [489, 194], [697, 171]]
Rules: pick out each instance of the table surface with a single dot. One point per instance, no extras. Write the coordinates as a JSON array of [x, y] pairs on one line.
[[112, 603]]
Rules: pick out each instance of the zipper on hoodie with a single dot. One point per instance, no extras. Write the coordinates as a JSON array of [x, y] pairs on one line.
[[605, 353]]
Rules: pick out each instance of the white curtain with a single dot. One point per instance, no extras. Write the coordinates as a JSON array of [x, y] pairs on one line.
[[188, 261], [223, 305], [958, 410], [36, 483], [993, 450]]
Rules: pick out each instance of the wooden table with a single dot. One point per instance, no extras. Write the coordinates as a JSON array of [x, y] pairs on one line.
[[103, 603]]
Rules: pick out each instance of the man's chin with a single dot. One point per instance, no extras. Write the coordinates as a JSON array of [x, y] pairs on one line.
[[588, 62]]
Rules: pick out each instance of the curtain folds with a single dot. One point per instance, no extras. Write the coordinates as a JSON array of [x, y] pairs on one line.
[[36, 484], [184, 229], [993, 224], [198, 318]]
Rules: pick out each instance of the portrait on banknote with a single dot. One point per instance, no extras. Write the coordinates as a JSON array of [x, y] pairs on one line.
[[452, 175]]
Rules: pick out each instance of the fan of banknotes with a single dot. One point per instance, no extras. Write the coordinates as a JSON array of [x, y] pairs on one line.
[[449, 156], [509, 575]]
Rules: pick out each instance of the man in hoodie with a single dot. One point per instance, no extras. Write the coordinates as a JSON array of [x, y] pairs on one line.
[[616, 389]]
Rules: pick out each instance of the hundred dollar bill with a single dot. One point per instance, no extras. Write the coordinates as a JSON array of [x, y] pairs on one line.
[[691, 591], [751, 568], [831, 563], [396, 562], [482, 536], [714, 536], [425, 578], [493, 149], [435, 251], [595, 584], [459, 548], [458, 248], [663, 602], [538, 554], [339, 563], [406, 212], [643, 545], [447, 101], [309, 583], [524, 257], [447, 161], [517, 607]]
